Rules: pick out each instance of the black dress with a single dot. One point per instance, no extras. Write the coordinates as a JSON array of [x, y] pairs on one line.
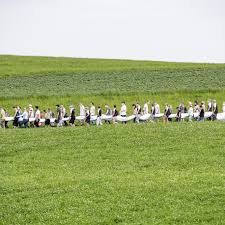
[[72, 117]]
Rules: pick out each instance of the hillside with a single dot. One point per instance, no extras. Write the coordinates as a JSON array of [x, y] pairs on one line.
[[50, 80]]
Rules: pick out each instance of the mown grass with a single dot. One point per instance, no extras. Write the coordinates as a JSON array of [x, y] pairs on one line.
[[124, 174], [128, 174]]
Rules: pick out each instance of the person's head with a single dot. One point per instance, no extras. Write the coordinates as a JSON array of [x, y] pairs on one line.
[[44, 111], [196, 102], [190, 104], [114, 106], [30, 106], [92, 103], [57, 106], [99, 107], [106, 106], [36, 107], [133, 105], [25, 109], [49, 109]]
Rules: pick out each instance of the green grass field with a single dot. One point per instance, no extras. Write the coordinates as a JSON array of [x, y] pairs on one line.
[[151, 173]]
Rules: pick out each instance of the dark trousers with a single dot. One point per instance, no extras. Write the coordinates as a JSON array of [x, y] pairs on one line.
[[25, 123], [36, 123], [124, 121]]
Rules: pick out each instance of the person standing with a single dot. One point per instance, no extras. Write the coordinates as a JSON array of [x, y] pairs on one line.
[[25, 116], [48, 117], [224, 107], [31, 114], [64, 115], [201, 112], [92, 109], [6, 115], [215, 110], [82, 113], [88, 116], [123, 111], [2, 117], [134, 112], [92, 112], [99, 116], [209, 109], [145, 108], [57, 113], [19, 116], [157, 108], [72, 116], [138, 112], [190, 112], [196, 107], [167, 113], [178, 117], [15, 121], [114, 114], [37, 116], [60, 116], [108, 112]]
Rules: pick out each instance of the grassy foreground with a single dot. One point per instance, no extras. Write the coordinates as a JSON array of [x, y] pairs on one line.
[[129, 174]]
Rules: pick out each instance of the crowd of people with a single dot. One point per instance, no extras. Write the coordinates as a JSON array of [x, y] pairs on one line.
[[31, 117]]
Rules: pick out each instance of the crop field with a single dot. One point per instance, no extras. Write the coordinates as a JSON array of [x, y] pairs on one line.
[[149, 173], [47, 81]]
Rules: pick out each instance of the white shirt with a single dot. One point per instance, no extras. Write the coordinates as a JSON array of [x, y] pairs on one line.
[[157, 109], [92, 110], [190, 111], [123, 111], [145, 109], [63, 111], [25, 115], [31, 112], [209, 105], [38, 114], [224, 108], [82, 110]]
